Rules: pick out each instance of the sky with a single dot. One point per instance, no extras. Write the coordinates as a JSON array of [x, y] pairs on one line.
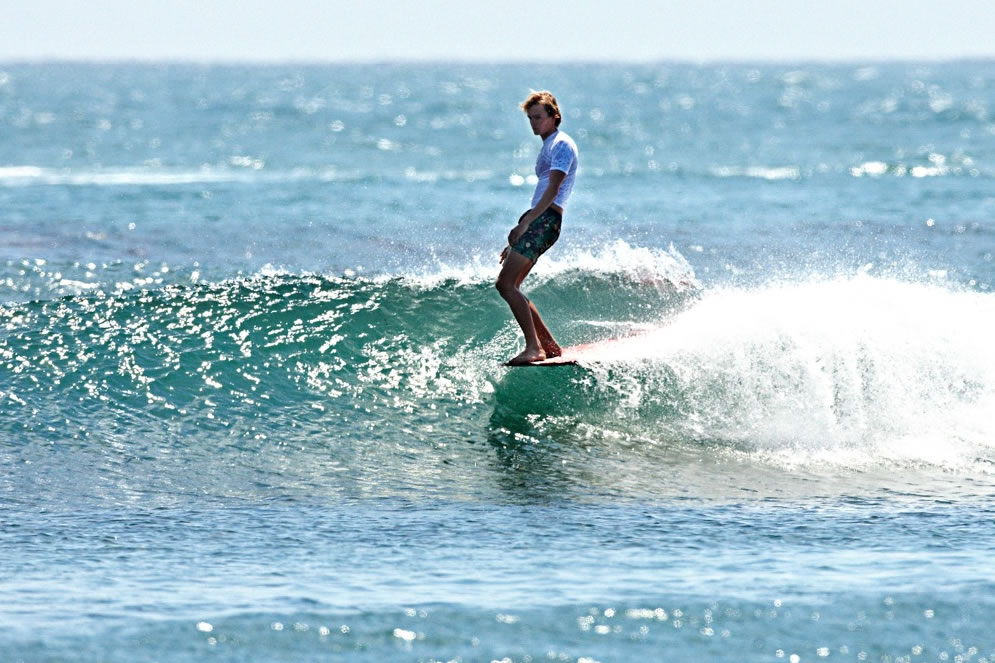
[[496, 31]]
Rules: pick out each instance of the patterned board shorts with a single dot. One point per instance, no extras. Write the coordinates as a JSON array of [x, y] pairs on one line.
[[540, 235]]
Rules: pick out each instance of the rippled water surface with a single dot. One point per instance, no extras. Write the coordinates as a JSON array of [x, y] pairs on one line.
[[252, 404]]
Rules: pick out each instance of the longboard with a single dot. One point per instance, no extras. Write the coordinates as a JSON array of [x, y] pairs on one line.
[[562, 360], [575, 355]]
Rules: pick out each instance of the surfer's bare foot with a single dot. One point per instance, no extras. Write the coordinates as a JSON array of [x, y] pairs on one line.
[[552, 350], [527, 357]]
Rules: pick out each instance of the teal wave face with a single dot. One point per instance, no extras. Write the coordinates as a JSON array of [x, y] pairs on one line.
[[362, 373], [294, 347]]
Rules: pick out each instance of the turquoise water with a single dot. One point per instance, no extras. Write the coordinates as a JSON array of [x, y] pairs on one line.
[[252, 404]]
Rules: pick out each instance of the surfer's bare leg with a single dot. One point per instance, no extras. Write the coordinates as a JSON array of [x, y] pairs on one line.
[[546, 340], [516, 267]]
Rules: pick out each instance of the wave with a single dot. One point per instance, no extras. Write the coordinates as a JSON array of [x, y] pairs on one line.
[[39, 279], [936, 166], [848, 371], [761, 172], [244, 170], [289, 336], [247, 170], [852, 370], [239, 170]]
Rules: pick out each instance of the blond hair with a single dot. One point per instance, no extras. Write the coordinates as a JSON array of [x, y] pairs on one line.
[[546, 98]]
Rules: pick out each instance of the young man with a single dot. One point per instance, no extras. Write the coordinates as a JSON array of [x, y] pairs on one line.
[[538, 228]]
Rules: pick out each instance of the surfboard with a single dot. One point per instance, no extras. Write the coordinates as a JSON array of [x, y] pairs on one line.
[[577, 355], [562, 360]]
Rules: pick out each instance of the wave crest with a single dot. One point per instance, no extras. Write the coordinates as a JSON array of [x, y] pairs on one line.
[[850, 371]]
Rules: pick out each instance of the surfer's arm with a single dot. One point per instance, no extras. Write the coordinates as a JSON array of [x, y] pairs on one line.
[[556, 178]]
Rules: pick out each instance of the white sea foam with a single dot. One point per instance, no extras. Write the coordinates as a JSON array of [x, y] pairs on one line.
[[240, 168], [252, 172], [652, 266], [853, 371], [20, 172], [761, 172], [635, 263]]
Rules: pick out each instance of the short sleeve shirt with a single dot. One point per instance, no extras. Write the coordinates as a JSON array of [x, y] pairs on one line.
[[559, 152]]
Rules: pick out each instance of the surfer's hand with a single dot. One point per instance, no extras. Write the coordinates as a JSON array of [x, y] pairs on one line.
[[523, 225], [517, 232], [504, 254]]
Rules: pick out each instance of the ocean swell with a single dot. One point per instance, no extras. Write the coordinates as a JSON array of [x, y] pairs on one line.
[[853, 370]]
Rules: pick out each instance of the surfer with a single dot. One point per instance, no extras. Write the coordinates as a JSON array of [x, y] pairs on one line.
[[539, 227]]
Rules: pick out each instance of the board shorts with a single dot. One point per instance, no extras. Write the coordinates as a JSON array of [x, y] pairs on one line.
[[540, 235]]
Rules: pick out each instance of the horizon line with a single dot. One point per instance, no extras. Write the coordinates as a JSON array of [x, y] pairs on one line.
[[314, 61]]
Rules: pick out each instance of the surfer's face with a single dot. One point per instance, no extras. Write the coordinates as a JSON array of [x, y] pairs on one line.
[[542, 122]]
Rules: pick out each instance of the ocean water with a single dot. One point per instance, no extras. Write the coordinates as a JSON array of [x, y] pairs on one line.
[[252, 405]]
